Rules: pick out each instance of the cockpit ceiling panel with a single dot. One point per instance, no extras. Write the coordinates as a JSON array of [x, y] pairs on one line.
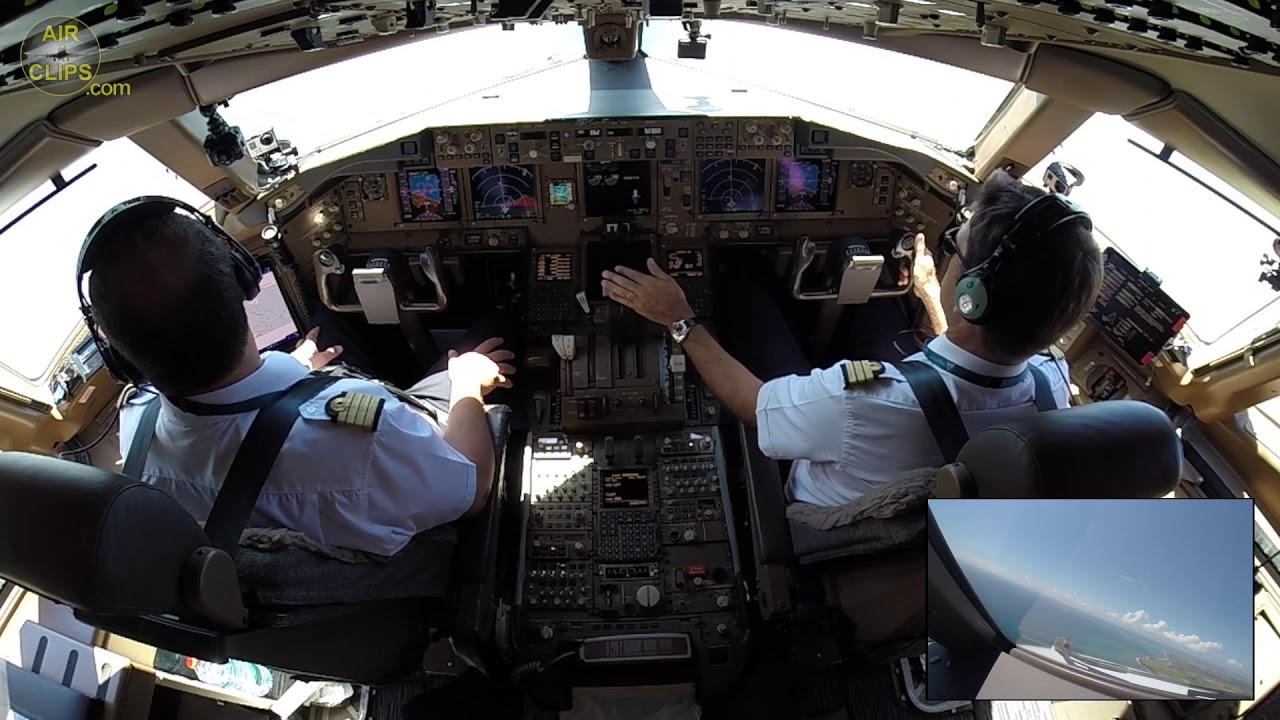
[[1212, 30]]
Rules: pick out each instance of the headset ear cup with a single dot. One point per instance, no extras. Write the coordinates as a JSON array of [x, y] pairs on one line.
[[248, 272], [971, 299]]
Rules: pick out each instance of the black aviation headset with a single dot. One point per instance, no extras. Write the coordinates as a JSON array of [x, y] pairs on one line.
[[977, 288], [247, 270]]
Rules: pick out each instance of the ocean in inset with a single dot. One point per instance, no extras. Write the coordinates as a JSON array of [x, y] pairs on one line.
[[1028, 617]]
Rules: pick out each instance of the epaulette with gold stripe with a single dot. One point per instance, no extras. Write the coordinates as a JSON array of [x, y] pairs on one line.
[[356, 409], [857, 372]]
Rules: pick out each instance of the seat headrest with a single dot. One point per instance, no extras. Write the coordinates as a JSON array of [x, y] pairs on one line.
[[1116, 449], [92, 539]]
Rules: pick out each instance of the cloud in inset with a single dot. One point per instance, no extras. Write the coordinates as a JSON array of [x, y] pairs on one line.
[[1156, 627], [1134, 617], [1235, 663]]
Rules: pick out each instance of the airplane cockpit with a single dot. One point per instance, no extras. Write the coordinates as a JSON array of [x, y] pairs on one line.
[[638, 550]]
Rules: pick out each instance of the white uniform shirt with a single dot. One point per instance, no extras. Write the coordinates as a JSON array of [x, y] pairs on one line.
[[338, 485], [847, 443]]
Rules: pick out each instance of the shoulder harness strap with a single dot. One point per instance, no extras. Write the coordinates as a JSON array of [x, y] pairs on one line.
[[254, 460], [938, 407], [143, 434]]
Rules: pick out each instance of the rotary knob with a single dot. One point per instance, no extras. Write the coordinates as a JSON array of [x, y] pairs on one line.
[[722, 601], [751, 127], [650, 144], [776, 139], [648, 596], [690, 535], [588, 144], [547, 632], [671, 228], [724, 233], [442, 138], [744, 233], [469, 148], [475, 136], [759, 139], [533, 152], [451, 150]]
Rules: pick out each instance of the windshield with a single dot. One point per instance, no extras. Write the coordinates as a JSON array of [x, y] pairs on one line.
[[325, 106], [38, 254], [1097, 585], [1205, 250]]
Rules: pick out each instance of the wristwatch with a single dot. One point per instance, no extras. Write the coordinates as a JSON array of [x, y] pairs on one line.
[[680, 329]]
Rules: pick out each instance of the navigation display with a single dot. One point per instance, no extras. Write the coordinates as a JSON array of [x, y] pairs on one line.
[[429, 195], [685, 263], [554, 267], [805, 186], [1133, 311], [625, 488], [731, 186], [504, 192], [270, 322], [621, 188]]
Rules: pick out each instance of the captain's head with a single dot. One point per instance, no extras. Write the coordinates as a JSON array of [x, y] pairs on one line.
[[167, 291], [1026, 269]]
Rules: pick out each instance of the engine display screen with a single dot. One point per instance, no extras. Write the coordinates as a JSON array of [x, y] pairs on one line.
[[504, 192], [805, 186], [554, 267], [607, 254], [685, 263], [621, 188], [429, 195], [1133, 311], [560, 193], [731, 186], [625, 488]]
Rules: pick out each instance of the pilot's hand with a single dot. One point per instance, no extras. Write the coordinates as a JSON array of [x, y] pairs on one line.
[[485, 366], [656, 297], [310, 355], [924, 271]]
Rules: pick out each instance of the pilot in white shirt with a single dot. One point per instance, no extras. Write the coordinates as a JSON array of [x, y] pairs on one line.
[[1026, 270], [367, 472]]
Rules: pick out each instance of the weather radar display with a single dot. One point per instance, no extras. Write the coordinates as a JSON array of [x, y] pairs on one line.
[[731, 186], [429, 195], [805, 186], [504, 192]]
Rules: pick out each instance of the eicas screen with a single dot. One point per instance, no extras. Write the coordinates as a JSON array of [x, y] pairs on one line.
[[621, 188], [429, 195]]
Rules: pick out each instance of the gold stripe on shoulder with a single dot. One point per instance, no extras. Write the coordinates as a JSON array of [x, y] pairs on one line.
[[355, 409], [859, 372]]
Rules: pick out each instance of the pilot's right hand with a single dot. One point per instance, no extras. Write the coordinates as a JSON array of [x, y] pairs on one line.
[[485, 367], [924, 271]]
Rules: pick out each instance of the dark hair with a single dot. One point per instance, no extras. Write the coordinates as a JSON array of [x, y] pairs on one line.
[[1046, 286], [165, 294]]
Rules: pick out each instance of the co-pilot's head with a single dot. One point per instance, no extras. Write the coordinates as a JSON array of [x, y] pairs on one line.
[[1043, 289], [164, 293]]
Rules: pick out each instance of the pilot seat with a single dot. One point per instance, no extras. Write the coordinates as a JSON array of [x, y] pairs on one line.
[[128, 559], [868, 556]]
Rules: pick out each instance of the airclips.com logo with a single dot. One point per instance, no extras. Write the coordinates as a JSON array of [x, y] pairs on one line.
[[61, 57]]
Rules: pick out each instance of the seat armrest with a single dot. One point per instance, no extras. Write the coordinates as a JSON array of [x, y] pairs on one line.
[[767, 502], [477, 550]]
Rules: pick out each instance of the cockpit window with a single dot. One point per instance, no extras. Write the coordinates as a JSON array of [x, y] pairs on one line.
[[38, 254], [1205, 250], [1093, 585], [333, 103], [940, 102]]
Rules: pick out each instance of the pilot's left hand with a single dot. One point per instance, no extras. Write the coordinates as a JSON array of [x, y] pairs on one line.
[[656, 297], [309, 354]]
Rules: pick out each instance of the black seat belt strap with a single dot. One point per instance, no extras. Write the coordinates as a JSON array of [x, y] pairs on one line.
[[254, 460], [143, 434], [1044, 393], [938, 407]]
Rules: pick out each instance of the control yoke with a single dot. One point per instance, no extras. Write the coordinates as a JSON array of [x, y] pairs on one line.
[[379, 299], [858, 272]]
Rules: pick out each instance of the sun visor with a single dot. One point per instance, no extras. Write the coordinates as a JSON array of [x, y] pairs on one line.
[[33, 156], [153, 98], [1209, 141], [1092, 82]]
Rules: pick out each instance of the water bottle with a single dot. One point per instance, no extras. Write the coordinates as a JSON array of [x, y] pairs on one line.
[[238, 676]]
